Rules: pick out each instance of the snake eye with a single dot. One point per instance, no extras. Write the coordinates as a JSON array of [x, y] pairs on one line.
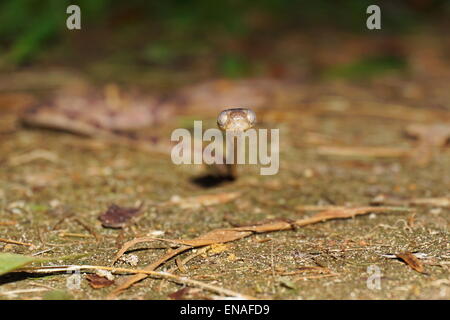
[[251, 116], [222, 118]]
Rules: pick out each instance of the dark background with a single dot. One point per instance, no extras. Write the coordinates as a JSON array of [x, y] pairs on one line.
[[239, 38]]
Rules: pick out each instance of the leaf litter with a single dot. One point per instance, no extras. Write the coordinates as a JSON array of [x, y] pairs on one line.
[[381, 107], [410, 258], [412, 261], [213, 239], [117, 217], [98, 282], [220, 236]]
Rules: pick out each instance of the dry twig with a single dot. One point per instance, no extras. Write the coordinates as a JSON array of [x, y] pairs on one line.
[[232, 234]]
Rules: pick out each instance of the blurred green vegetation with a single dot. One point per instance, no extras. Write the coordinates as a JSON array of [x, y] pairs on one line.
[[367, 67], [177, 28], [26, 26]]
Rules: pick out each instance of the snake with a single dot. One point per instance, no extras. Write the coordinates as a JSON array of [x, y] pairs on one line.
[[236, 119]]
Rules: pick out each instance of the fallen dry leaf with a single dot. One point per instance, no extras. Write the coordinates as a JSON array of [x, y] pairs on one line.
[[411, 260], [97, 282], [117, 217]]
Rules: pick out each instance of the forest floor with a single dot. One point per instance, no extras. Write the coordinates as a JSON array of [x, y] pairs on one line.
[[343, 142]]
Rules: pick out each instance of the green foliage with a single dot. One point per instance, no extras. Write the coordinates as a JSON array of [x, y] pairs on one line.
[[27, 24], [233, 66], [10, 262], [367, 67], [28, 27]]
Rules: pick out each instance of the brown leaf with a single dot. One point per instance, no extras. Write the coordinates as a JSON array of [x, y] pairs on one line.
[[117, 217], [411, 260], [97, 282]]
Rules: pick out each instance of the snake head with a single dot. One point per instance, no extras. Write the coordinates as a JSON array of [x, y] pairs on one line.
[[236, 119]]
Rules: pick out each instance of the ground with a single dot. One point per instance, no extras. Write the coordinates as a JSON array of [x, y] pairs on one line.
[[41, 200]]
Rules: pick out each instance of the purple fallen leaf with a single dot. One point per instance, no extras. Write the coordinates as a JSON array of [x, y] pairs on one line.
[[117, 217]]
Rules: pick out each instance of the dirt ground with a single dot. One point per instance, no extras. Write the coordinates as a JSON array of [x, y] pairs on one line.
[[342, 143]]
